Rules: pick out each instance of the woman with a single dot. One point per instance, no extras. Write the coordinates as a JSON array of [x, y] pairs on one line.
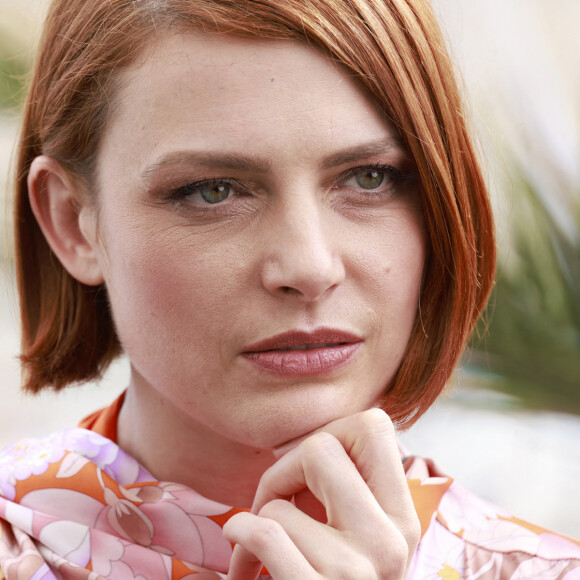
[[275, 211]]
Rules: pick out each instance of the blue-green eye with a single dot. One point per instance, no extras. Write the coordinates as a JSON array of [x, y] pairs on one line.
[[216, 192], [370, 178]]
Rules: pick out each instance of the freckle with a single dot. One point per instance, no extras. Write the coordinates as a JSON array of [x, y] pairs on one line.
[[272, 80]]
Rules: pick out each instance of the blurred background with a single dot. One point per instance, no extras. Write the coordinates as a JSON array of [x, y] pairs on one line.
[[508, 426]]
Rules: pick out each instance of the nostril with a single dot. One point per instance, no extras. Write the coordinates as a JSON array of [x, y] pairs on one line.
[[306, 273]]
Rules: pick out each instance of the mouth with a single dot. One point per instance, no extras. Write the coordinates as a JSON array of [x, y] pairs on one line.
[[304, 340], [303, 353], [307, 346]]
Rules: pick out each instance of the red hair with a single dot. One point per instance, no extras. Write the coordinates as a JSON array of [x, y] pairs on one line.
[[394, 48]]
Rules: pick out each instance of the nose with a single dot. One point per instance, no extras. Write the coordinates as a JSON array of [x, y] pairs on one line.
[[302, 259]]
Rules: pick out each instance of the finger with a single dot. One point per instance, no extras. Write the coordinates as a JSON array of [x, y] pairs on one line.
[[370, 441], [381, 553], [262, 540], [321, 464], [324, 547], [243, 564]]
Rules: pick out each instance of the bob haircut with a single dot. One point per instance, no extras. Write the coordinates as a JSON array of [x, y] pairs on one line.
[[396, 51]]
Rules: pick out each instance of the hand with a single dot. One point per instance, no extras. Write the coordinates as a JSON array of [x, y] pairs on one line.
[[351, 516]]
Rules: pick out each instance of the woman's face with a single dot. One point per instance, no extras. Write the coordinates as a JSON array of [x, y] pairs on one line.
[[252, 201]]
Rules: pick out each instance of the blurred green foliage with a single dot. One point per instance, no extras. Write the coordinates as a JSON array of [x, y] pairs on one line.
[[14, 68], [531, 334]]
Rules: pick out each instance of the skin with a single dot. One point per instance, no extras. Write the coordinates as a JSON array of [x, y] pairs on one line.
[[298, 245]]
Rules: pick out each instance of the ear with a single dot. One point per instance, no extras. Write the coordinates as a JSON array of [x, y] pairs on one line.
[[68, 224]]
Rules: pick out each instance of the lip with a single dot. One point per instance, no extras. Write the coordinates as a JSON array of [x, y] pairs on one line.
[[328, 349]]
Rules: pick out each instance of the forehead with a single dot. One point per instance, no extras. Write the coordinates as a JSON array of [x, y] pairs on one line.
[[199, 90]]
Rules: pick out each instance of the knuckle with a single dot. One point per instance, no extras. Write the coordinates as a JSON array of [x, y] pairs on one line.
[[348, 564], [320, 448], [320, 443], [362, 569], [399, 552], [390, 552], [267, 479], [375, 421], [412, 532], [275, 509], [265, 535], [395, 558]]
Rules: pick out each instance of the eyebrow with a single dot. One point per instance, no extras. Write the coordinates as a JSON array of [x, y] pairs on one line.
[[358, 152], [241, 162], [211, 160]]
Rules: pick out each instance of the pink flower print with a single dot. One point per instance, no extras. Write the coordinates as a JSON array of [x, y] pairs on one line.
[[190, 538], [33, 456], [440, 555], [91, 445], [463, 511], [128, 520], [122, 571], [555, 546], [106, 550], [37, 463], [107, 455], [116, 559], [68, 540], [21, 558], [7, 481], [181, 528], [65, 537], [538, 568], [191, 501], [92, 539], [56, 502], [150, 516], [152, 493], [26, 458], [498, 536]]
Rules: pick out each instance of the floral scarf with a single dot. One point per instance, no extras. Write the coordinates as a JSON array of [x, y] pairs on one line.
[[75, 505], [79, 507]]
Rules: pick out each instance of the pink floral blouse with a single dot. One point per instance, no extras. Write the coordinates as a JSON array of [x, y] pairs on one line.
[[74, 505]]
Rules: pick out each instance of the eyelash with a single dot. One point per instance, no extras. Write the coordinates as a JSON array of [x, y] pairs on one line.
[[181, 193], [391, 173], [397, 177]]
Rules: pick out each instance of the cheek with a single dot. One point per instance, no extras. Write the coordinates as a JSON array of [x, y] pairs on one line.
[[159, 286], [394, 264], [395, 256]]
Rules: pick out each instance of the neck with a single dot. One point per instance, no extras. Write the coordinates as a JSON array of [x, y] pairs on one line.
[[173, 448]]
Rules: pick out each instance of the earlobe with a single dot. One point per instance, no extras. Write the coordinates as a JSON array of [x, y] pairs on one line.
[[64, 219]]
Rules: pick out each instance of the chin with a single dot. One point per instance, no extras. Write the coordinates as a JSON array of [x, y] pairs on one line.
[[273, 429]]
